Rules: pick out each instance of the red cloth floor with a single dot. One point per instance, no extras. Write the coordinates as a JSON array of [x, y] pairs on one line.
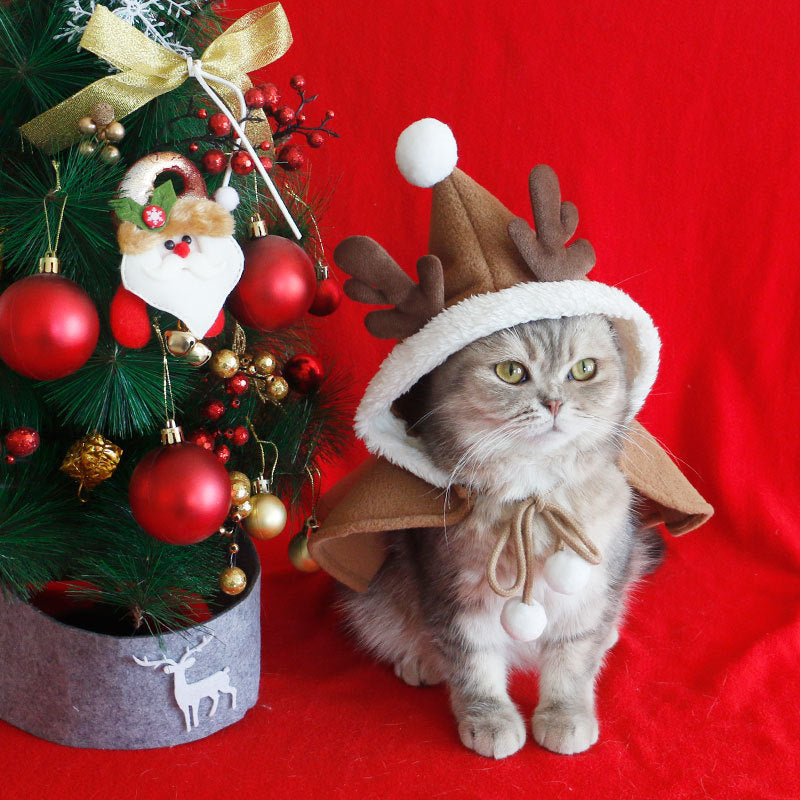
[[673, 126]]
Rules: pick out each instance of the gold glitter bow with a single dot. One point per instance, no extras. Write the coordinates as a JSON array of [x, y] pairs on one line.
[[147, 70]]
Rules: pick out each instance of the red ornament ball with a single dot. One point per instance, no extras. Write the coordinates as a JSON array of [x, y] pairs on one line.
[[223, 453], [242, 163], [130, 322], [202, 438], [202, 113], [285, 115], [272, 96], [316, 139], [214, 161], [241, 435], [238, 384], [254, 98], [327, 298], [277, 286], [291, 157], [213, 410], [303, 373], [180, 493], [219, 124], [48, 327], [22, 442], [297, 82]]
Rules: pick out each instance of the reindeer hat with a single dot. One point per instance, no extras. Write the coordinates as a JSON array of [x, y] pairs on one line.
[[488, 270]]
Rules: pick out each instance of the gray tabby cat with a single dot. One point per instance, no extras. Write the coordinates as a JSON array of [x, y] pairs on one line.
[[538, 409]]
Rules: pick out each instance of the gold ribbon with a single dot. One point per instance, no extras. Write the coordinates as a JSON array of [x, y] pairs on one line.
[[148, 70]]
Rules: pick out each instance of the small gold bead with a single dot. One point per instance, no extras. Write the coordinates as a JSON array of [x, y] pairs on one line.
[[86, 126], [110, 154], [234, 548], [277, 388], [115, 132], [87, 148]]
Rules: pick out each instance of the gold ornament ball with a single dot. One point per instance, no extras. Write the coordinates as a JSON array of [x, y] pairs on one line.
[[240, 487], [103, 114], [268, 517], [115, 132], [277, 388], [232, 580], [242, 510], [298, 553], [110, 154], [224, 364], [264, 363], [86, 126], [87, 148]]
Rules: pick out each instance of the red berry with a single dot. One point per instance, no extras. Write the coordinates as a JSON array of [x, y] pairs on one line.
[[229, 433], [329, 114], [272, 96], [240, 435], [242, 163], [219, 124], [300, 118], [214, 161], [202, 438], [316, 139], [267, 162], [298, 82], [223, 453], [194, 147], [291, 157], [285, 115], [265, 145], [213, 410], [236, 402], [238, 384], [202, 113], [9, 459], [254, 98]]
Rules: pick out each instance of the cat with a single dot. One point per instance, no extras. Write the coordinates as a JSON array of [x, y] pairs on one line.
[[539, 409]]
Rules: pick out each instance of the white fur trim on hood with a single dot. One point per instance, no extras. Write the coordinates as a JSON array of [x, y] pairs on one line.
[[478, 316]]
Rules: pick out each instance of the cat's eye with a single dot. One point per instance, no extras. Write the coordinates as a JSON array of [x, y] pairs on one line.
[[511, 372], [583, 370], [169, 244]]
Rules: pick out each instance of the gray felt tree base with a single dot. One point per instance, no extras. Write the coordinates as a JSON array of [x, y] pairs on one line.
[[85, 689]]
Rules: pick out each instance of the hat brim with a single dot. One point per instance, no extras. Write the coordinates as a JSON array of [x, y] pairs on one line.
[[481, 315]]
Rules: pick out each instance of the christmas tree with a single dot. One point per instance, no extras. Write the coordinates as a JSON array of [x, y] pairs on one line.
[[205, 196]]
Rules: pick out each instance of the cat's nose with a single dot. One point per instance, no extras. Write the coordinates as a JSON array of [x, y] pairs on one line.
[[553, 405], [181, 249]]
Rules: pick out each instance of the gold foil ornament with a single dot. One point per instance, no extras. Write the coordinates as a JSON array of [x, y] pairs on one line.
[[224, 364], [91, 460], [232, 580]]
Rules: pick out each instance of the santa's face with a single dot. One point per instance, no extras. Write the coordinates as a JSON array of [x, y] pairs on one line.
[[187, 275]]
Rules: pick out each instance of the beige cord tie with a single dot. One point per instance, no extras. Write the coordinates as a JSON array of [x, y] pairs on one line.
[[521, 531]]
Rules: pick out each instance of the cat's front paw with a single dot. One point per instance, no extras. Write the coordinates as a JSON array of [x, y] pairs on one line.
[[565, 732], [495, 731]]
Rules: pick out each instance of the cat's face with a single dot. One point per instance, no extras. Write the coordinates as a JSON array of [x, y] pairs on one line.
[[525, 396]]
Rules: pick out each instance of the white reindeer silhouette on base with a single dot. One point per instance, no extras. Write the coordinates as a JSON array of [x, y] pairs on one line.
[[189, 695]]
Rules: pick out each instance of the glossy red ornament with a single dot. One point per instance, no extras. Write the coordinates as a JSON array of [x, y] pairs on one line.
[[242, 163], [254, 98], [272, 96], [303, 372], [327, 297], [22, 442], [315, 139], [238, 384], [297, 82], [219, 124], [202, 438], [214, 161], [223, 453], [277, 286], [241, 435], [291, 157], [48, 326], [213, 410], [180, 493]]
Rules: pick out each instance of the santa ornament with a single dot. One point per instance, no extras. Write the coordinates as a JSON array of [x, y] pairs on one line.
[[178, 250], [487, 270]]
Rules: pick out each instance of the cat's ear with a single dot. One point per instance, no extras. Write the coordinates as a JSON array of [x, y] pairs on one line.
[[377, 279], [544, 249]]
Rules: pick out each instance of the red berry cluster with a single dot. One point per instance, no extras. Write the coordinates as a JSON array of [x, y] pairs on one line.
[[216, 440]]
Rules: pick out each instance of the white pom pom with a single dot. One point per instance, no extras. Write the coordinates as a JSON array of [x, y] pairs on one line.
[[227, 197], [566, 572], [521, 621], [426, 152]]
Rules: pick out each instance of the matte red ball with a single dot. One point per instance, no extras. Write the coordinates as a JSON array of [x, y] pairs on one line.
[[241, 435], [180, 493], [201, 438], [214, 161], [22, 442], [291, 157], [242, 163], [238, 384], [130, 322], [219, 124], [303, 372], [254, 98], [277, 286], [48, 327], [213, 410], [327, 298]]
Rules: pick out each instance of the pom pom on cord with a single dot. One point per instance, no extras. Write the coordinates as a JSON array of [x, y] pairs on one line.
[[426, 152], [227, 197], [566, 572], [523, 621]]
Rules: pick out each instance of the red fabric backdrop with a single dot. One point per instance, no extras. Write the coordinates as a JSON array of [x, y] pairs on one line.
[[673, 127]]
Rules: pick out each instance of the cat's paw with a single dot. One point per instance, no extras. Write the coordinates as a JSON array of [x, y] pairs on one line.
[[565, 732], [495, 732], [416, 671]]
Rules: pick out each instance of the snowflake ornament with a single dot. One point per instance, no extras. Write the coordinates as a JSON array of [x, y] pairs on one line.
[[154, 216]]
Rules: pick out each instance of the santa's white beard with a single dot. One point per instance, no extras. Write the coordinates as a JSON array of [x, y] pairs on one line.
[[193, 288]]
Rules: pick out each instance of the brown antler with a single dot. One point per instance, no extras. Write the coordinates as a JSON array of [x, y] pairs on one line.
[[544, 249], [378, 279]]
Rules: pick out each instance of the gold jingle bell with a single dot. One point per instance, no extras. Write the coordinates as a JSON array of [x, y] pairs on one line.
[[224, 363], [232, 580], [268, 517], [298, 552]]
